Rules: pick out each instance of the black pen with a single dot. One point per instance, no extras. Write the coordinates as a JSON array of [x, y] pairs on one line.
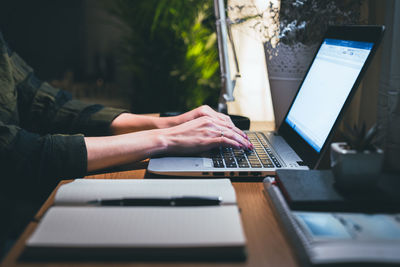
[[172, 201]]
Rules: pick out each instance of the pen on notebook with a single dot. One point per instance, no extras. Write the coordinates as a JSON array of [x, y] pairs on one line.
[[172, 201]]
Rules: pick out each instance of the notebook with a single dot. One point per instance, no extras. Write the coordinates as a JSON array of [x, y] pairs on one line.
[[316, 190], [335, 238], [326, 90], [73, 230]]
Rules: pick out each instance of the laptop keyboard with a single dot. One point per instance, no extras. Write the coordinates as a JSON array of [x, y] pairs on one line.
[[261, 156]]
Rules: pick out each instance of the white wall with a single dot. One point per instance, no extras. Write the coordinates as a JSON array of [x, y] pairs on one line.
[[252, 93]]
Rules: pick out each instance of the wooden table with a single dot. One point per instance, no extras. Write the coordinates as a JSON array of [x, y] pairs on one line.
[[266, 244]]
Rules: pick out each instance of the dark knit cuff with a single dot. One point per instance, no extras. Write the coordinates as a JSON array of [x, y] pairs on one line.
[[67, 156], [96, 119]]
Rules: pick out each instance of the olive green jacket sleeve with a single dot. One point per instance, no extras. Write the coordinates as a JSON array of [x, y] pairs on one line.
[[42, 128]]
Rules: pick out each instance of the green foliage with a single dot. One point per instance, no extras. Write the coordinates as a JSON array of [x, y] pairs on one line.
[[170, 47], [361, 139]]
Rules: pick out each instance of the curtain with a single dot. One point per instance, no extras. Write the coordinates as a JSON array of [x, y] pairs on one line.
[[363, 108], [389, 88], [389, 83]]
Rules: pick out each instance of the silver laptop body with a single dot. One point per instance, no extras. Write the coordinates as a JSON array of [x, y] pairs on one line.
[[203, 165], [327, 88]]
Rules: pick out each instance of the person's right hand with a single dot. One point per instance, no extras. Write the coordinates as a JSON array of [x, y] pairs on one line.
[[193, 136], [201, 134]]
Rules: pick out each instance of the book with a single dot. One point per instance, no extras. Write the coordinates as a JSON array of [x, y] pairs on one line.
[[71, 229], [333, 238], [315, 190]]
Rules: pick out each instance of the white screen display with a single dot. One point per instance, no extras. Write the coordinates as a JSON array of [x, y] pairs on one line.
[[326, 88]]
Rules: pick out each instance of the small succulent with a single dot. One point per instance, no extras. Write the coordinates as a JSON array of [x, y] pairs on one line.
[[360, 138]]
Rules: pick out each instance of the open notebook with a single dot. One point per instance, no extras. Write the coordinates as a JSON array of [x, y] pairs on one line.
[[73, 230]]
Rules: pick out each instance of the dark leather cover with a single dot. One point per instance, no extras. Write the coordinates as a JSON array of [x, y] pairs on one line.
[[315, 190]]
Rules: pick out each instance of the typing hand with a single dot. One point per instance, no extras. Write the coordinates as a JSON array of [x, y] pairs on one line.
[[206, 111], [204, 133]]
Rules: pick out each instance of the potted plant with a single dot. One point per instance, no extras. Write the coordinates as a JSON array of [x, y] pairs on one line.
[[290, 47], [291, 31], [357, 162]]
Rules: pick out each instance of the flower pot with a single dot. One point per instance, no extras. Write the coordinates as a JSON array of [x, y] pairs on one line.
[[286, 65], [355, 170]]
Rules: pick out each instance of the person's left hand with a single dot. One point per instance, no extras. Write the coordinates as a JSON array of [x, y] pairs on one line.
[[201, 134], [206, 111], [127, 122]]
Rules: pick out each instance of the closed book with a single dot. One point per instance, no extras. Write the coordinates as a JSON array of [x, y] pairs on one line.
[[337, 238], [315, 190]]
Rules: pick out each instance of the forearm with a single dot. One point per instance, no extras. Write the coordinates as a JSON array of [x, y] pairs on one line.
[[192, 132], [104, 152], [128, 122]]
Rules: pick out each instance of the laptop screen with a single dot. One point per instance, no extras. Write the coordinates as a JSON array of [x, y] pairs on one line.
[[326, 88]]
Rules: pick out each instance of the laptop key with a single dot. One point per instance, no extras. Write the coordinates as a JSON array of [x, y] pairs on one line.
[[231, 164], [241, 159], [261, 156], [219, 165], [266, 162], [229, 159], [255, 164]]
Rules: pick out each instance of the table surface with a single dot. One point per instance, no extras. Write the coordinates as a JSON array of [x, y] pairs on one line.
[[266, 243]]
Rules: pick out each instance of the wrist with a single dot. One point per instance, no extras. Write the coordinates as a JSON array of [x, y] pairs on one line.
[[158, 142], [128, 122], [168, 122]]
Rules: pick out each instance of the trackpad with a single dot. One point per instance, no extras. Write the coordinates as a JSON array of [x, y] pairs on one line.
[[179, 163], [207, 163]]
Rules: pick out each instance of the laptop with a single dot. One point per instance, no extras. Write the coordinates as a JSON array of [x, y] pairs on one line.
[[315, 112]]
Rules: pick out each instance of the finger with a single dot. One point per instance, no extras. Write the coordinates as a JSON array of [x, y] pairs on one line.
[[207, 111], [227, 133], [232, 127], [238, 131], [223, 118], [216, 141], [230, 134], [223, 141]]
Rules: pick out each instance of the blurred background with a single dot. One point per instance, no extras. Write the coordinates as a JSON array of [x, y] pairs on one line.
[[151, 56], [145, 56]]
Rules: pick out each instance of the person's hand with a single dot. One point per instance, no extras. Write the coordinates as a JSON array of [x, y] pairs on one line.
[[127, 122], [204, 111], [196, 135], [203, 133]]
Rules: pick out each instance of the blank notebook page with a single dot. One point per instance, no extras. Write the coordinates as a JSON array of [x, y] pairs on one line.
[[82, 190], [139, 227]]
